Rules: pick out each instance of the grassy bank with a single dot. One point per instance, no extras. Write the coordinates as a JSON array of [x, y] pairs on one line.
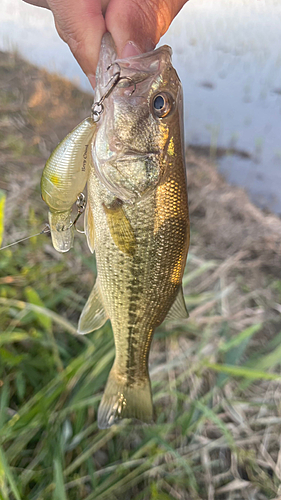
[[215, 378]]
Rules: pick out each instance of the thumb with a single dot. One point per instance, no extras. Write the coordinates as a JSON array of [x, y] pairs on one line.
[[81, 25], [137, 25]]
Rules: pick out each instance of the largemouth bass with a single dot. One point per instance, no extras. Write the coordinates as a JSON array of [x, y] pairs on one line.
[[137, 220], [64, 177]]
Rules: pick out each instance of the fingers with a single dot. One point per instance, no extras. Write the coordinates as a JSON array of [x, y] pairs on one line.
[[38, 3], [80, 23], [136, 25], [142, 22]]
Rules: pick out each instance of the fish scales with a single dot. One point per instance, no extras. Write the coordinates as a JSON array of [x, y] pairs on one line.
[[139, 218]]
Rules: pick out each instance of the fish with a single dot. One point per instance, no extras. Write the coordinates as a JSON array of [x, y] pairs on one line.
[[137, 220], [64, 177]]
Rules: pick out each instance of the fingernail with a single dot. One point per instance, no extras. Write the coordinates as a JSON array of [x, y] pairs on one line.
[[92, 80], [130, 50]]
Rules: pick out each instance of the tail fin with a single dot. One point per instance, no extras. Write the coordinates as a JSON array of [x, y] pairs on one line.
[[121, 400]]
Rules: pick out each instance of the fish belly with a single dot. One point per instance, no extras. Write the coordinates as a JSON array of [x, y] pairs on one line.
[[138, 288]]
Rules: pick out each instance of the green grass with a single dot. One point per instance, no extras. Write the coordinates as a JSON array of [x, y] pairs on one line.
[[2, 213], [52, 380], [215, 377]]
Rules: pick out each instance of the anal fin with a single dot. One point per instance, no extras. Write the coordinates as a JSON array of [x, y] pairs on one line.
[[178, 309], [93, 315]]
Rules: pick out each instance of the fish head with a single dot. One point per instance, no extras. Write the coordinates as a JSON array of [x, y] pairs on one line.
[[142, 112]]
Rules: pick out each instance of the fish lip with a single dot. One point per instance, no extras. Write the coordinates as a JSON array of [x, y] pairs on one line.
[[146, 55]]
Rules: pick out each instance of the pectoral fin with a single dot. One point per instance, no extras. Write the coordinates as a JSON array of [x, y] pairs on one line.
[[89, 226], [120, 228], [178, 309], [93, 315]]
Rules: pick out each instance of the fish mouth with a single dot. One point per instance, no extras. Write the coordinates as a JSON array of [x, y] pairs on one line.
[[136, 68]]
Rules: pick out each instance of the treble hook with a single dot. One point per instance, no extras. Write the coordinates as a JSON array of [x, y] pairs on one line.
[[132, 82], [112, 87], [98, 107], [81, 205]]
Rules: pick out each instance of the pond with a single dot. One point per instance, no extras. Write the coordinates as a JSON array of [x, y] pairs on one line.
[[228, 56]]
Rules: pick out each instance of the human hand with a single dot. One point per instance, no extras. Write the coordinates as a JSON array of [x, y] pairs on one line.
[[136, 25]]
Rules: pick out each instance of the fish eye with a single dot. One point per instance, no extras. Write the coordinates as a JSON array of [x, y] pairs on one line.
[[162, 104]]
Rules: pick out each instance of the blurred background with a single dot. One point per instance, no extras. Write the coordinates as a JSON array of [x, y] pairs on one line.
[[216, 377], [228, 56]]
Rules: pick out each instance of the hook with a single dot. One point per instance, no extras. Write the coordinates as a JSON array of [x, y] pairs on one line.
[[121, 77], [98, 107], [132, 82], [113, 85], [81, 205], [114, 64]]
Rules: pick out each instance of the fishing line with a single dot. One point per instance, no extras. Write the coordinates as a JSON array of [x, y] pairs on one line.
[[80, 204], [45, 230]]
